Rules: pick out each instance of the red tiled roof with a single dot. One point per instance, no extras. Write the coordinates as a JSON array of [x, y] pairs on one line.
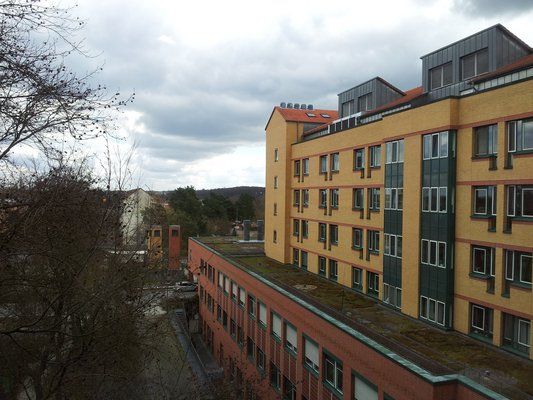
[[296, 115], [518, 64]]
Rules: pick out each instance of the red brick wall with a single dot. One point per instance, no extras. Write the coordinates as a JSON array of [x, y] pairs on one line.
[[387, 375]]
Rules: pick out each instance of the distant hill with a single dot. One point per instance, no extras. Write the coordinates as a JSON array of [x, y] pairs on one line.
[[233, 193]]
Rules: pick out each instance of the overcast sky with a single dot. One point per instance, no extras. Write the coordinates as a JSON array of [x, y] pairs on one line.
[[207, 73]]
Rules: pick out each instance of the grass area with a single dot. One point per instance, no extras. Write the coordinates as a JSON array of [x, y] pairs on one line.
[[490, 366]]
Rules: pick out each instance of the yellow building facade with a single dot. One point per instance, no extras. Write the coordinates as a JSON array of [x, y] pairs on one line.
[[422, 199]]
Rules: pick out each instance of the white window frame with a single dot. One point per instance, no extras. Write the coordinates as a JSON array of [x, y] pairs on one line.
[[511, 198], [521, 257], [276, 325], [525, 322], [481, 328], [312, 348], [424, 310], [276, 155], [525, 189], [305, 197], [484, 189], [305, 166], [428, 191], [242, 297], [512, 128], [438, 254], [323, 166], [426, 241], [524, 148], [335, 162], [511, 278], [445, 190], [288, 343], [334, 198], [474, 250]]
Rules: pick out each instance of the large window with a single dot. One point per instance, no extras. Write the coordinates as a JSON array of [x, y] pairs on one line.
[[275, 376], [296, 257], [433, 253], [516, 333], [289, 389], [520, 201], [334, 234], [357, 238], [251, 306], [311, 354], [322, 266], [375, 156], [373, 241], [394, 151], [321, 232], [474, 64], [359, 159], [276, 325], [440, 76], [323, 164], [485, 200], [483, 260], [364, 103], [332, 371], [322, 198], [305, 228], [296, 227], [334, 198], [305, 197], [291, 338], [357, 278], [373, 195], [348, 108], [335, 162], [435, 145], [242, 296], [481, 320], [434, 199], [304, 261], [518, 267], [486, 140], [393, 198], [358, 198], [296, 198], [297, 168], [520, 135], [392, 245], [305, 166], [333, 270], [262, 314], [392, 295], [372, 280], [432, 310]]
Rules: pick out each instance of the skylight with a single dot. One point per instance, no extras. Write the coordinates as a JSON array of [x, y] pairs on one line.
[[311, 115], [326, 115]]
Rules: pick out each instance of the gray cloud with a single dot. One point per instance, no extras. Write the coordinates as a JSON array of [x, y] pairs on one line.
[[492, 8]]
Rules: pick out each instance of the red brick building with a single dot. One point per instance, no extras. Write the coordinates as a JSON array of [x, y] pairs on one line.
[[275, 333]]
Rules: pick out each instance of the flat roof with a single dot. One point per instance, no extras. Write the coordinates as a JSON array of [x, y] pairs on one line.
[[435, 354]]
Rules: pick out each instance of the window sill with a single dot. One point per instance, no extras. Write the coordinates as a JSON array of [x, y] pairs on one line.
[[291, 352], [310, 369], [275, 337], [481, 337], [357, 208], [374, 252], [484, 157], [511, 349], [520, 285], [480, 216], [522, 219], [376, 167], [478, 275], [357, 248], [336, 392]]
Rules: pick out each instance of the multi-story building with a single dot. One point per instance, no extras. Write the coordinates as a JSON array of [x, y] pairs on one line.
[[417, 204]]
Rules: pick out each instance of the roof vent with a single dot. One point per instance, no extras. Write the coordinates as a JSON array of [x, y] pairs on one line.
[[309, 106], [303, 106], [283, 104], [289, 105]]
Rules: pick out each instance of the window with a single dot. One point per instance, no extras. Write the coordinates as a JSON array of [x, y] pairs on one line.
[[260, 359], [485, 200], [433, 253], [357, 238], [483, 260], [332, 371], [305, 228], [323, 164], [333, 270], [364, 102], [275, 236], [375, 156], [373, 283], [358, 198], [474, 64], [250, 348], [334, 234], [335, 162], [275, 209], [359, 159], [276, 155], [374, 194], [296, 227], [305, 197], [289, 390], [311, 354], [275, 182], [364, 389], [392, 245], [220, 280], [392, 295], [520, 135], [432, 310], [394, 151], [291, 338], [322, 198], [440, 76], [435, 145], [334, 198], [234, 291], [486, 140], [276, 325], [481, 320], [242, 296], [296, 198], [321, 232], [357, 278], [518, 266], [251, 306], [296, 258], [520, 201], [275, 376], [373, 241], [232, 329], [348, 108], [434, 199], [516, 333], [262, 314], [227, 283], [322, 266], [304, 260], [305, 166], [297, 168]]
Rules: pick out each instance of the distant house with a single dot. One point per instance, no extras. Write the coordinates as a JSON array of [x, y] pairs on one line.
[[135, 202]]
